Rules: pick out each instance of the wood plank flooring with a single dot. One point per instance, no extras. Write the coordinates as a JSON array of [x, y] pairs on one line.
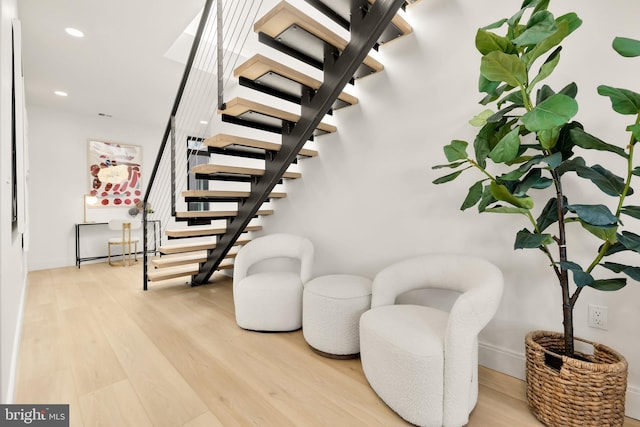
[[173, 356]]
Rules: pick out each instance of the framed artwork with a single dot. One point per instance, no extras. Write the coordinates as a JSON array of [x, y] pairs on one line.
[[114, 173]]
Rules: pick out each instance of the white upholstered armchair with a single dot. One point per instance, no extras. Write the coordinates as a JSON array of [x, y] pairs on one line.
[[423, 361], [266, 299]]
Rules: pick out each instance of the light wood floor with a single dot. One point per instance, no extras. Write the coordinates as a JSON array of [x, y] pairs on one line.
[[173, 356]]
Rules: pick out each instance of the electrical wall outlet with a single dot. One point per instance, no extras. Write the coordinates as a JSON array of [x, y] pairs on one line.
[[598, 316]]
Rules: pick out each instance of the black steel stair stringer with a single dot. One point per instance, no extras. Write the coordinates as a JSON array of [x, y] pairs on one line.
[[364, 34]]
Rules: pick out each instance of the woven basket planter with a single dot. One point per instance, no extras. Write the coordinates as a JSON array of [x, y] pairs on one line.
[[563, 391]]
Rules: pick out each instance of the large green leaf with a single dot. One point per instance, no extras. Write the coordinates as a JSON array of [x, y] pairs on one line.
[[515, 19], [633, 272], [487, 86], [493, 89], [549, 137], [532, 180], [487, 138], [547, 68], [574, 21], [580, 277], [585, 140], [540, 26], [514, 175], [527, 240], [570, 165], [598, 215], [609, 284], [614, 249], [481, 118], [507, 148], [473, 196], [623, 101], [507, 210], [501, 192], [449, 165], [571, 90], [497, 117], [553, 161], [606, 181], [482, 147], [633, 211], [630, 241], [495, 25], [627, 47], [635, 130], [537, 4], [447, 178], [514, 98], [543, 93], [501, 67], [549, 214], [552, 112], [487, 42], [547, 44], [456, 150], [606, 233], [486, 200]]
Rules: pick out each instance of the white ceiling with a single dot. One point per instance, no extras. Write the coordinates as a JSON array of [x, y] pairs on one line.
[[118, 68]]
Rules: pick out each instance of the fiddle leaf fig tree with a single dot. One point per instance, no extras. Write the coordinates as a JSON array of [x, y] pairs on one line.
[[528, 135]]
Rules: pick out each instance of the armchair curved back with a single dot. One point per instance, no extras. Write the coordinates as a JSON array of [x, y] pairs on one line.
[[480, 284], [278, 245], [456, 272]]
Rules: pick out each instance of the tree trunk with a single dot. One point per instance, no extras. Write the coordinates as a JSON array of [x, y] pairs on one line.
[[567, 304]]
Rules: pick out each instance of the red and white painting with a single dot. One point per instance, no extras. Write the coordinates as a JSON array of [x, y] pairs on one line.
[[114, 171]]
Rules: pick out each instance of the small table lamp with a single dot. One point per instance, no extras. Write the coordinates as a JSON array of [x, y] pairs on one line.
[[88, 200]]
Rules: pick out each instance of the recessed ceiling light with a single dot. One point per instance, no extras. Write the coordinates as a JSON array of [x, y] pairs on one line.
[[204, 122], [61, 93], [73, 32]]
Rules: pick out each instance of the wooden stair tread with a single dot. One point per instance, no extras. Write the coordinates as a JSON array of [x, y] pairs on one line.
[[224, 140], [342, 8], [284, 15], [179, 271], [400, 23], [209, 231], [217, 214], [258, 65], [239, 106], [172, 260], [184, 258], [212, 169], [203, 194], [192, 247]]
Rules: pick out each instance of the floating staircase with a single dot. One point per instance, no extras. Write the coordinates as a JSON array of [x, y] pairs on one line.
[[290, 31]]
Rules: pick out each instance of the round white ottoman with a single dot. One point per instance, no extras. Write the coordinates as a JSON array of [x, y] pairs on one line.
[[331, 310]]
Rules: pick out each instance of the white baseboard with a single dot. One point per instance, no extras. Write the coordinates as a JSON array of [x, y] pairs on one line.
[[502, 360], [512, 363], [632, 407], [15, 352]]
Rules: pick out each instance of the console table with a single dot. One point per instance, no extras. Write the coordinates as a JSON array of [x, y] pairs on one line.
[[157, 239]]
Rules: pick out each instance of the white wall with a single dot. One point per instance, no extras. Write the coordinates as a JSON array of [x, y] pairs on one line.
[[12, 259], [58, 180], [367, 200]]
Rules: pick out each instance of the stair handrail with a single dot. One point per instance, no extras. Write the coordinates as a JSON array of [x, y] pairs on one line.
[[238, 18], [176, 103]]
